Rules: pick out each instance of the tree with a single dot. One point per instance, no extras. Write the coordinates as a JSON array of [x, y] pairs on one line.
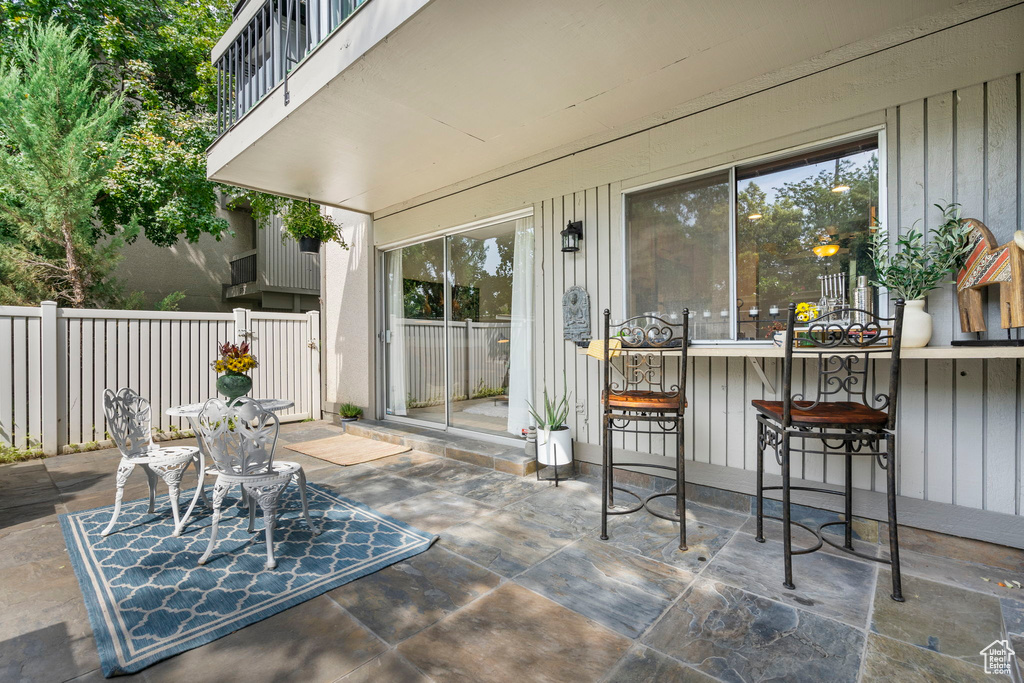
[[157, 55], [60, 140]]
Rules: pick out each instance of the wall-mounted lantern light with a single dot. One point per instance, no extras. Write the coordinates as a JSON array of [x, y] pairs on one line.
[[571, 236]]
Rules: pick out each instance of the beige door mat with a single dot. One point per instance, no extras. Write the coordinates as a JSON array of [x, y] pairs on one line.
[[347, 449]]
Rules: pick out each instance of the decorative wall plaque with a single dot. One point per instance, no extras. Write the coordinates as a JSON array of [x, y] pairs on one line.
[[576, 314]]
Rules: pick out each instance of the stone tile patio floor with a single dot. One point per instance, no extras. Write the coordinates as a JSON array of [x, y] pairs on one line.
[[519, 588]]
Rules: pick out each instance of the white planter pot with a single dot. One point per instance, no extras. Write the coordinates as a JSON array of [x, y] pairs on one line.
[[917, 325], [554, 446]]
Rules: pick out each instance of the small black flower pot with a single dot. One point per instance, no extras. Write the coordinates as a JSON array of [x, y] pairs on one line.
[[309, 245]]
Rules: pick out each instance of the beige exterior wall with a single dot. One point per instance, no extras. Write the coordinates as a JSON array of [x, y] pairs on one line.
[[348, 317], [198, 269]]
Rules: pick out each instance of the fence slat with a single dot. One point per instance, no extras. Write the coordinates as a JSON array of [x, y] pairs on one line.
[[7, 380]]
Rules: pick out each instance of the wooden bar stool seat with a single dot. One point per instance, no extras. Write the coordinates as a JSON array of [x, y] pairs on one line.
[[840, 414], [654, 401]]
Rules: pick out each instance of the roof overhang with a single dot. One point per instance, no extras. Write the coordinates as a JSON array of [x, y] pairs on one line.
[[409, 97]]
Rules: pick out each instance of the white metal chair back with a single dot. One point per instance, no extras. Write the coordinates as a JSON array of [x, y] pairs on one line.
[[129, 421], [240, 437]]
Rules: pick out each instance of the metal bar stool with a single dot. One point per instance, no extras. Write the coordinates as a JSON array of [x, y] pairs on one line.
[[842, 341], [648, 394]]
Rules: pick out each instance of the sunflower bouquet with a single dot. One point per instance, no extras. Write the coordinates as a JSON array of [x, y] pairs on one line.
[[235, 358], [806, 311]]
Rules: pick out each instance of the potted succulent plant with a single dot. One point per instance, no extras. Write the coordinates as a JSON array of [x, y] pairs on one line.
[[349, 412], [234, 362], [305, 222], [915, 268], [554, 439]]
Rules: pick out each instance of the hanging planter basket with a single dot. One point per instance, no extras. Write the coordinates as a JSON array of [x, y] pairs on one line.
[[309, 245]]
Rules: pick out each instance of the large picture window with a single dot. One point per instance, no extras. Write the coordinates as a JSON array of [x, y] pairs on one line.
[[737, 246]]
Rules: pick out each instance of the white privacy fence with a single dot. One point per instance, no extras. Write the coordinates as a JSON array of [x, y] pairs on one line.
[[479, 359], [56, 362]]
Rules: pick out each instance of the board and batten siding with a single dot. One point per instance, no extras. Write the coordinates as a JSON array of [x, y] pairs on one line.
[[960, 437], [282, 265]]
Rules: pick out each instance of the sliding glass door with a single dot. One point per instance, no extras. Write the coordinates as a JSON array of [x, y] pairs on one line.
[[414, 305], [459, 329]]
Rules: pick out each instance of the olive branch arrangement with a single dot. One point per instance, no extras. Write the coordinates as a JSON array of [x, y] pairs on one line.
[[916, 267]]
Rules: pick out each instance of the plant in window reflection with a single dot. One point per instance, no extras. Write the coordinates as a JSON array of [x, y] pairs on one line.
[[806, 311], [914, 267]]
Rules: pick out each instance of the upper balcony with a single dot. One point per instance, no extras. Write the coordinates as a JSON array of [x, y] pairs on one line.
[[265, 41]]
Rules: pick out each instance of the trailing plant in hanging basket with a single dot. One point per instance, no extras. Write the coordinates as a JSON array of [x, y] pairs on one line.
[[302, 220], [306, 220]]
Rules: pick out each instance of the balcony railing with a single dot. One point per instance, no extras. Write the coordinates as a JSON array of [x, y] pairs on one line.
[[278, 36], [243, 269]]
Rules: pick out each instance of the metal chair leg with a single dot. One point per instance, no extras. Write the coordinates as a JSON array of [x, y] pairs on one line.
[[151, 480], [605, 466], [269, 505], [611, 473], [760, 481], [849, 494], [219, 489], [787, 540], [124, 470], [681, 482], [300, 477], [197, 465], [894, 543]]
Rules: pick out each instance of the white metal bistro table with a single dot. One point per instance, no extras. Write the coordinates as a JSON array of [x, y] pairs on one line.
[[191, 411]]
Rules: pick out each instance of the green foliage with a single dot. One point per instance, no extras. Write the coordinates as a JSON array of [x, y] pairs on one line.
[[59, 141], [349, 410], [915, 267], [304, 219], [10, 454], [159, 183], [170, 302], [555, 410], [300, 219], [156, 56]]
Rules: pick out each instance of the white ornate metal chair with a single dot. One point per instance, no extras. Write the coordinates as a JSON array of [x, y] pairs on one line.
[[240, 439], [129, 420]]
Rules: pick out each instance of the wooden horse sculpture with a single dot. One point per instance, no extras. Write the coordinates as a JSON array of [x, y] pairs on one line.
[[990, 263]]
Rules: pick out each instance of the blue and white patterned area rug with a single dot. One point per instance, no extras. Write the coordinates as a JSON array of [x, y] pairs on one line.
[[148, 599]]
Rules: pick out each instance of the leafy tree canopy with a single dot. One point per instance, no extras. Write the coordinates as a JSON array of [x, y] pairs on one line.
[[157, 55]]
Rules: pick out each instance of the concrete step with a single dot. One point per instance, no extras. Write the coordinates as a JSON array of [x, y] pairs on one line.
[[474, 451]]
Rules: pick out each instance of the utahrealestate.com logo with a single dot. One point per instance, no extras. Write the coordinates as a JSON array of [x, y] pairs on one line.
[[998, 658]]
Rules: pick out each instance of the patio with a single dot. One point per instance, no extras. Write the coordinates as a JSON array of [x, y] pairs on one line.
[[519, 588]]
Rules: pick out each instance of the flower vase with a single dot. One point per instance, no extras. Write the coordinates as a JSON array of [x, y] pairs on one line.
[[234, 384], [917, 325]]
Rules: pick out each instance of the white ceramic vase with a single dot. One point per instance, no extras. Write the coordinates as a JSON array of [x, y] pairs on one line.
[[554, 446], [917, 325]]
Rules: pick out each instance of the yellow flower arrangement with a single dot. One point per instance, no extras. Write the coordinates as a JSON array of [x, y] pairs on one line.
[[234, 358], [806, 311]]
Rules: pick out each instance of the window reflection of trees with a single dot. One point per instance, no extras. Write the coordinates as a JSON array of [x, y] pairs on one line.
[[775, 262], [678, 246]]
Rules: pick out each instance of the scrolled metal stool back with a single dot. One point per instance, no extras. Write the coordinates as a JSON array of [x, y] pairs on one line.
[[843, 342], [644, 366], [241, 436]]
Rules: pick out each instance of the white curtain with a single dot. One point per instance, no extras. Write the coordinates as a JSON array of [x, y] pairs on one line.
[[520, 376], [396, 327]]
